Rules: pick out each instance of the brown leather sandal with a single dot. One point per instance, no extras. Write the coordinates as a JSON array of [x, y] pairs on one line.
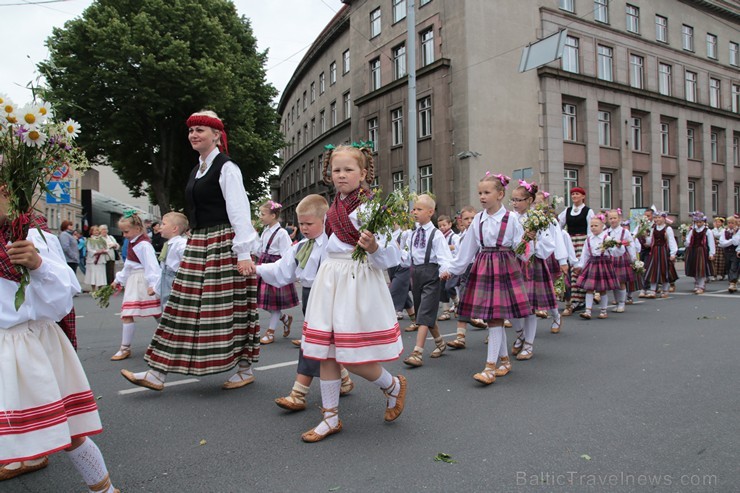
[[268, 338], [518, 343], [296, 401], [392, 413], [415, 359], [526, 352], [287, 321], [438, 349], [504, 366], [312, 437], [458, 343], [488, 375]]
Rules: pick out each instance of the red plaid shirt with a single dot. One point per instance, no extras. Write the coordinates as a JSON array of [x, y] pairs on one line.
[[338, 221]]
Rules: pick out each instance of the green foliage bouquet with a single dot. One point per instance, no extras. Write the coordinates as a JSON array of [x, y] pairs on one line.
[[380, 215]]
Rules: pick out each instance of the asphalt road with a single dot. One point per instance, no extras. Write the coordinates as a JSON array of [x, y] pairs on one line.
[[646, 400]]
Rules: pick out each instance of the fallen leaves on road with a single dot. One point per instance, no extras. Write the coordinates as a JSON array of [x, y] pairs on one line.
[[586, 457], [705, 317], [335, 488], [203, 442], [442, 457]]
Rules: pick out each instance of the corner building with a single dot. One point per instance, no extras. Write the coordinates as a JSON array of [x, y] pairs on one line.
[[643, 108]]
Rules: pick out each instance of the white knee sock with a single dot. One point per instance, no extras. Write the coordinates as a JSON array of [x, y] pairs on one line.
[[89, 462], [700, 282], [604, 301], [621, 296], [504, 349], [243, 371], [128, 334], [517, 324], [654, 287], [555, 315], [589, 301], [274, 319], [329, 400], [386, 381], [666, 287], [530, 328], [495, 336]]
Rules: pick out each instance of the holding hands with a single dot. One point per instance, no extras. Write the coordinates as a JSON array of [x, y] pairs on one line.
[[245, 267]]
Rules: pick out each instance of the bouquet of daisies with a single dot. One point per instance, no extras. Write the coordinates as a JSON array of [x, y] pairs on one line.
[[684, 230], [609, 242], [638, 266], [33, 146], [536, 220], [643, 227], [379, 215]]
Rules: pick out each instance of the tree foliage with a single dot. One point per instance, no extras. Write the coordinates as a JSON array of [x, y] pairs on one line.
[[132, 71]]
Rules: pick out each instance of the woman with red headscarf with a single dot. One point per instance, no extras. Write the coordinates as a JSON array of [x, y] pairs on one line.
[[576, 219], [210, 323]]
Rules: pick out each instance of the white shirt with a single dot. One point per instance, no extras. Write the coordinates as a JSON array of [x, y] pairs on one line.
[[287, 271], [386, 256], [622, 234], [670, 238], [453, 240], [717, 232], [237, 206], [440, 253], [734, 240], [546, 243], [50, 292], [595, 251], [175, 251], [574, 211], [280, 244], [710, 239], [145, 251], [470, 244], [568, 242]]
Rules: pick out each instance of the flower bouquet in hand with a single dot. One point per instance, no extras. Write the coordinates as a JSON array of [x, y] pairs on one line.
[[102, 295], [643, 227], [638, 266], [609, 242], [32, 148], [559, 286], [684, 230], [536, 220], [380, 215]]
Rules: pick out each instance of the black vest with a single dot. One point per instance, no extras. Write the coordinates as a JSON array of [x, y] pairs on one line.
[[577, 225], [206, 205]]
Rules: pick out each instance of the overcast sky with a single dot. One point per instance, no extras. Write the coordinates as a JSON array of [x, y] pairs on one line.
[[286, 27]]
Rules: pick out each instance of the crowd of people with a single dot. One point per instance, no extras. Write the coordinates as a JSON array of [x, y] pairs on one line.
[[205, 274]]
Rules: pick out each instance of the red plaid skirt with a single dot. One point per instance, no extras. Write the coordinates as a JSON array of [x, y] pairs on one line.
[[538, 281], [659, 268], [623, 270], [495, 287], [271, 298], [598, 275]]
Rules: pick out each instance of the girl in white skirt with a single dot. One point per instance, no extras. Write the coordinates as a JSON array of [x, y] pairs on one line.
[[350, 318], [140, 276], [45, 400]]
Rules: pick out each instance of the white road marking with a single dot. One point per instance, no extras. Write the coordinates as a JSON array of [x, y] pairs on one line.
[[276, 365], [711, 295], [167, 384]]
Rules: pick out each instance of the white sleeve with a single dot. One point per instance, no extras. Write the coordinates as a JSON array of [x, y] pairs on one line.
[[724, 243], [710, 243], [49, 295], [469, 247], [584, 254], [283, 271], [237, 207], [672, 245], [148, 258], [387, 255], [545, 245], [444, 256], [561, 217], [122, 275], [405, 249]]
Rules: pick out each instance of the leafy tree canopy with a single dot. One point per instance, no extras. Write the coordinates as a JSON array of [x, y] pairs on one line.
[[132, 71]]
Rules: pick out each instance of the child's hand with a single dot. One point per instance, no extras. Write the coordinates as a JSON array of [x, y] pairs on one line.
[[673, 258], [368, 242], [115, 285], [531, 235], [577, 270], [245, 267], [564, 269], [23, 252], [150, 291], [445, 276], [711, 258]]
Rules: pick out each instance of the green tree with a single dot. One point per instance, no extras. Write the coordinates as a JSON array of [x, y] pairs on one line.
[[132, 71]]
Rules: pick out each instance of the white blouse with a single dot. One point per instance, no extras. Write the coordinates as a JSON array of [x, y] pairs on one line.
[[710, 239], [175, 251], [149, 263], [287, 271], [595, 251], [280, 244], [670, 238], [440, 253], [621, 250]]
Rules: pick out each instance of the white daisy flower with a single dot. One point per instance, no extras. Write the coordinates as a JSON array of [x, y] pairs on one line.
[[34, 138], [29, 116], [45, 110], [71, 128], [6, 105]]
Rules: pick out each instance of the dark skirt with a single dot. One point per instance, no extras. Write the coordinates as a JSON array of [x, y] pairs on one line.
[[697, 263], [659, 268], [539, 284], [577, 294], [719, 262], [271, 298], [598, 275]]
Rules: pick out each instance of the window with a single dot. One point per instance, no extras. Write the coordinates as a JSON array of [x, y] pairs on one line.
[[665, 187], [347, 102], [298, 139], [313, 128], [637, 191], [714, 91], [714, 147], [570, 180], [636, 134], [397, 127], [332, 73], [322, 121], [399, 10], [605, 184], [345, 62], [691, 86], [399, 61], [372, 133], [569, 122], [691, 189], [636, 75], [734, 54], [715, 198], [424, 2], [425, 117], [397, 180], [687, 37], [570, 55], [304, 175], [737, 197], [690, 143], [311, 172], [427, 47], [374, 74], [605, 71], [601, 11], [298, 107], [567, 5], [664, 139], [712, 46], [374, 23], [736, 154], [633, 19], [313, 92], [736, 98], [664, 79], [322, 83], [661, 28], [305, 101], [333, 114], [320, 167], [305, 134], [425, 179], [605, 128]]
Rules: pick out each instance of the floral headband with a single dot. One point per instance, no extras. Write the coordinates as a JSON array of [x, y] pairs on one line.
[[501, 177], [698, 216], [661, 213]]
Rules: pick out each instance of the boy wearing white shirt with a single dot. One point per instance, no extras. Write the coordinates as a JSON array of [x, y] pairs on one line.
[[174, 228], [447, 294]]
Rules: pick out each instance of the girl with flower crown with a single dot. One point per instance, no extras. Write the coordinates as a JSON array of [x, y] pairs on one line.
[[275, 242], [495, 288], [660, 266], [699, 251], [595, 269]]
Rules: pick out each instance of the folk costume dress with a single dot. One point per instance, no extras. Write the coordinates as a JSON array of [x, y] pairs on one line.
[[211, 322], [350, 315], [719, 263], [659, 269], [537, 276], [275, 242], [495, 287], [576, 220], [699, 247], [45, 398], [140, 272], [622, 258], [597, 273]]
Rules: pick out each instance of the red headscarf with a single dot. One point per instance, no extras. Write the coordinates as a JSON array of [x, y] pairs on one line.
[[209, 121]]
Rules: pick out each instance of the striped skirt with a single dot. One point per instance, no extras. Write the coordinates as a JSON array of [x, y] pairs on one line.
[[45, 399], [659, 269], [495, 288], [538, 281], [719, 262], [577, 294], [210, 322], [698, 264], [271, 298], [136, 301], [624, 271], [350, 315], [598, 275]]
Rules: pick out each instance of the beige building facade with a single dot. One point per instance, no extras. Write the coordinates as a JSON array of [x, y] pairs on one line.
[[643, 108]]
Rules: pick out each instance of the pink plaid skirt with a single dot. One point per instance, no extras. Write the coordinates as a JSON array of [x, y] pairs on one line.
[[553, 266], [598, 275], [623, 270], [271, 298], [495, 288], [538, 281]]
